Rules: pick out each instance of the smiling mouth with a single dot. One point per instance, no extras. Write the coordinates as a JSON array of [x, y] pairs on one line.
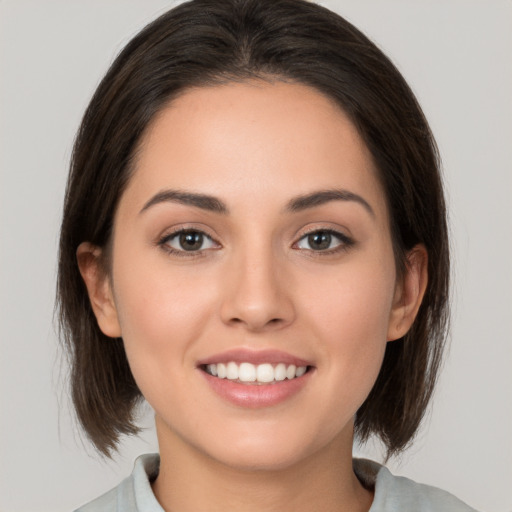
[[248, 373]]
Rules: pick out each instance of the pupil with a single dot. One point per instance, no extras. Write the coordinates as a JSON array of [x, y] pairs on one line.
[[191, 241], [320, 240]]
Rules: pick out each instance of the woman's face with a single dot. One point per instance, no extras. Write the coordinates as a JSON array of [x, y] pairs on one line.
[[253, 238]]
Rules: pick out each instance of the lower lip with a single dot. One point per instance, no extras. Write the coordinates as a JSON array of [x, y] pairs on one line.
[[256, 396]]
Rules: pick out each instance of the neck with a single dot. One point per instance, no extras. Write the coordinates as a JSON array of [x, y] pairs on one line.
[[190, 480]]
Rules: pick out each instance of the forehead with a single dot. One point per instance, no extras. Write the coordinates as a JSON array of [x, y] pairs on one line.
[[255, 136]]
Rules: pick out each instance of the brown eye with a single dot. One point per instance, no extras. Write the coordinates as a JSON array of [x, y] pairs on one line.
[[324, 240], [188, 240], [191, 241], [320, 240]]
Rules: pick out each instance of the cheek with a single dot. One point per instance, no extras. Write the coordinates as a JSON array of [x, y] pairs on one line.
[[354, 302], [350, 317], [161, 314]]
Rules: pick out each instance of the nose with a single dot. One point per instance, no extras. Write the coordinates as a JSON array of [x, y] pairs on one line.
[[257, 294]]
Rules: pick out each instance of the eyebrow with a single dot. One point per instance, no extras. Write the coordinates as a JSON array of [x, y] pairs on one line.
[[297, 204], [321, 197], [203, 201]]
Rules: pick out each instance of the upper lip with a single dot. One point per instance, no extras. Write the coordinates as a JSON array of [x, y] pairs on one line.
[[244, 355]]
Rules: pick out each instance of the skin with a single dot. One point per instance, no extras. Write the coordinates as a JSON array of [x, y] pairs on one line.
[[256, 283]]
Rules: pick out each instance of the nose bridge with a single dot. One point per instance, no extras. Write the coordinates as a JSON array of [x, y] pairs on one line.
[[256, 294]]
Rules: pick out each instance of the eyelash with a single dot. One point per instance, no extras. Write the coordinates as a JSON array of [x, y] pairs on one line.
[[164, 243], [345, 242]]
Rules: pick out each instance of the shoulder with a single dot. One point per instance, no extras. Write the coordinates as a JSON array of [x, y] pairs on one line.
[[133, 494], [106, 502], [396, 493]]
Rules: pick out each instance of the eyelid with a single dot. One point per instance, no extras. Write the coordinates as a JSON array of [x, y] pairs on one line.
[[173, 233], [181, 227], [345, 241]]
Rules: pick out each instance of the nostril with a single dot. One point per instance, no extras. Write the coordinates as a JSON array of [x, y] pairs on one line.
[[257, 324]]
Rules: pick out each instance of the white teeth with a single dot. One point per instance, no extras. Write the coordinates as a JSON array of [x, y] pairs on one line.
[[232, 371], [247, 372], [290, 371], [280, 372], [221, 371], [301, 370], [263, 373]]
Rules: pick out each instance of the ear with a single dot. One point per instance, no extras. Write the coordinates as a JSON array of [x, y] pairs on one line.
[[409, 292], [99, 289]]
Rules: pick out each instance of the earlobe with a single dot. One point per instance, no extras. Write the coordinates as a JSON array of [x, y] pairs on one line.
[[99, 289], [409, 293]]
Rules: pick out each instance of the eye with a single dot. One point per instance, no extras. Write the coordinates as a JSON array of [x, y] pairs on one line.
[[324, 240], [188, 240]]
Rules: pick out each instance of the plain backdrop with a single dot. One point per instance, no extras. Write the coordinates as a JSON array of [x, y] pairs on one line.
[[456, 54]]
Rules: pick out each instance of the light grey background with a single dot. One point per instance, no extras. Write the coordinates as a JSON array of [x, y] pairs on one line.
[[456, 54]]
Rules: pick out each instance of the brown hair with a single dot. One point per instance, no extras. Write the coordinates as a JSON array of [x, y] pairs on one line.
[[206, 42]]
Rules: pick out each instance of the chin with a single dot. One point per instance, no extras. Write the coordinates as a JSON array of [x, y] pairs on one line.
[[268, 460], [265, 451]]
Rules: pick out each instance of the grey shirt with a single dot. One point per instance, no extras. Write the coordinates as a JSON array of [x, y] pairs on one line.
[[392, 493]]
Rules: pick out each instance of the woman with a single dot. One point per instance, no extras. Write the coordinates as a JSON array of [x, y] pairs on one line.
[[254, 240]]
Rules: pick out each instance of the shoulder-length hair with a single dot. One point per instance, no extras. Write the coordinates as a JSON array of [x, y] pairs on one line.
[[206, 42]]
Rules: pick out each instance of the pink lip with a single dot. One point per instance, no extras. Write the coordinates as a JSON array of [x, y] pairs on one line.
[[251, 395], [243, 355], [256, 396]]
